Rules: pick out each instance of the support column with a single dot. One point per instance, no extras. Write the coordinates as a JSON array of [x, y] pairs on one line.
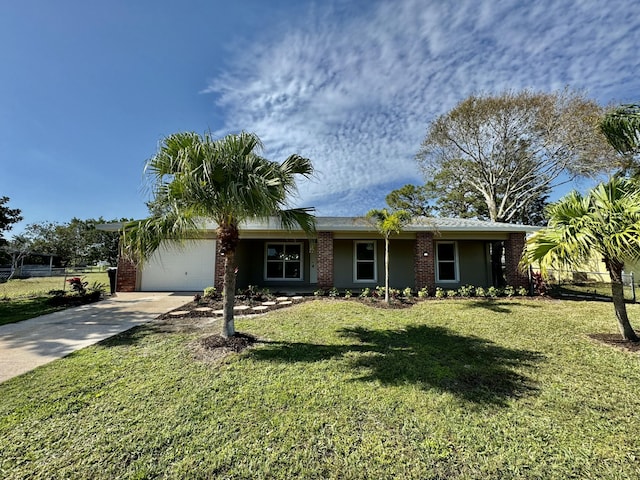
[[513, 250], [424, 265], [126, 276], [325, 259]]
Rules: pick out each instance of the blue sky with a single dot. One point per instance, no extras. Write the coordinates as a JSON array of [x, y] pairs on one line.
[[89, 88]]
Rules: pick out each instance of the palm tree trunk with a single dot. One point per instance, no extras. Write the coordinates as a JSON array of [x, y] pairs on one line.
[[228, 294], [386, 269], [617, 294]]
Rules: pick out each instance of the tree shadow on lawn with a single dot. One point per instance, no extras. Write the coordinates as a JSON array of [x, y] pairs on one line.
[[498, 306], [471, 368]]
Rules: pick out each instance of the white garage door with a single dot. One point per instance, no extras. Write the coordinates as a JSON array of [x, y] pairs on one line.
[[186, 268]]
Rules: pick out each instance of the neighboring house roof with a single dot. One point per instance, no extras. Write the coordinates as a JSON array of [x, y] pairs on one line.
[[354, 224]]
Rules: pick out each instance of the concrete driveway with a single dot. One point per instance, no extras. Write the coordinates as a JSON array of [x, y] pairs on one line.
[[28, 344]]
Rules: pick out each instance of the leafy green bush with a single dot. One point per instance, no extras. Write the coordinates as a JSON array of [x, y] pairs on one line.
[[423, 292], [210, 292], [365, 293], [347, 294], [333, 292], [439, 293], [493, 292], [467, 291]]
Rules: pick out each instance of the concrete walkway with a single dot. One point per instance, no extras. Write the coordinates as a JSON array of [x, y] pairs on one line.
[[28, 344]]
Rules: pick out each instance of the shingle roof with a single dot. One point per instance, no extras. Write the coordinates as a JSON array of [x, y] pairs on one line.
[[346, 224], [416, 225]]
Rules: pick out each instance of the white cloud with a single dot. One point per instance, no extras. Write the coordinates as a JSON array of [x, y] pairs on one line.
[[354, 86]]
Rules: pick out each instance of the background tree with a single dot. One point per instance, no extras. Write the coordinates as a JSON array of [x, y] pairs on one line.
[[514, 147], [621, 126], [8, 216], [605, 222], [197, 178], [508, 151], [388, 223], [415, 199], [77, 242], [439, 198], [15, 251]]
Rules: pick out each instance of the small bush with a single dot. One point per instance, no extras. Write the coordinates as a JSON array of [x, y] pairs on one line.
[[523, 292], [333, 292], [78, 286], [365, 293], [423, 292], [493, 292], [467, 291], [320, 293], [210, 292], [509, 291], [540, 286], [347, 294], [452, 293], [408, 293], [481, 292], [439, 293]]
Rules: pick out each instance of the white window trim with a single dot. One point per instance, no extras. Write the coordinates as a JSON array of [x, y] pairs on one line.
[[283, 279], [375, 262], [456, 263]]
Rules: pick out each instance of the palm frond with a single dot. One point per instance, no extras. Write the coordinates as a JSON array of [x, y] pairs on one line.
[[622, 129]]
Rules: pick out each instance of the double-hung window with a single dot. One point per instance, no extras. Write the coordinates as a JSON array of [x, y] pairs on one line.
[[283, 261], [365, 261], [447, 262]]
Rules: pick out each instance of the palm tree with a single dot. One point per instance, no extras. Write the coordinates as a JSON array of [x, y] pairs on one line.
[[622, 129], [605, 222], [196, 178], [388, 223]]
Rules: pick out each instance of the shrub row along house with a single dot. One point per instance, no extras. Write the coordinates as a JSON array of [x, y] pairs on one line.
[[346, 253]]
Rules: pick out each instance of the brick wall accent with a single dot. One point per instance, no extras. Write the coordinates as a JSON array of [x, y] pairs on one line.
[[126, 276], [325, 259], [424, 267], [218, 281], [513, 249]]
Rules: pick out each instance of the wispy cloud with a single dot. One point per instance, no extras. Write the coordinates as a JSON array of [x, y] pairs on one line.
[[353, 86]]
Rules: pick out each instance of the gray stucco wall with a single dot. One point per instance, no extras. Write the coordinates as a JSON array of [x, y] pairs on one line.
[[400, 267], [474, 265]]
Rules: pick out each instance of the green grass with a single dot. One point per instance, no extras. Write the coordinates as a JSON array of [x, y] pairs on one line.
[[39, 286], [21, 299], [446, 389], [12, 311]]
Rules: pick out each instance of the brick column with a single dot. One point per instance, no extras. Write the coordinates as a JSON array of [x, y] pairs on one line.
[[126, 275], [424, 266], [325, 259], [218, 281], [513, 249]]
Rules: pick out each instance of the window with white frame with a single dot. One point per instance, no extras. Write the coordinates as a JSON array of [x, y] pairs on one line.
[[447, 262], [364, 269], [283, 261]]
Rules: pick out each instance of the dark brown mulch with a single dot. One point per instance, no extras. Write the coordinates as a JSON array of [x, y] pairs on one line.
[[237, 343], [214, 348], [615, 340]]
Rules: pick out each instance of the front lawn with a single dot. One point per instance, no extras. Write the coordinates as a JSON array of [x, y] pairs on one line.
[[21, 299], [337, 389]]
